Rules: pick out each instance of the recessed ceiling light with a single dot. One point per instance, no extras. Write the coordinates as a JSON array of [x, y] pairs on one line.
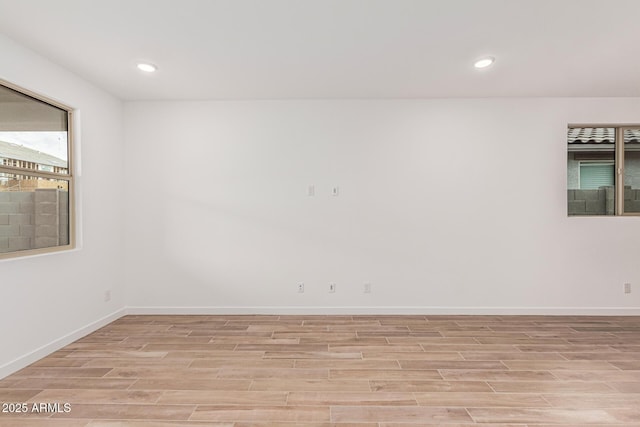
[[146, 67], [484, 62]]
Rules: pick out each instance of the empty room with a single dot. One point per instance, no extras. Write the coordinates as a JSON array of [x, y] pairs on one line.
[[313, 213]]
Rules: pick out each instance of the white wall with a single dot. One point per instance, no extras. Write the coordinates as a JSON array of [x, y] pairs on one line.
[[50, 300], [445, 206]]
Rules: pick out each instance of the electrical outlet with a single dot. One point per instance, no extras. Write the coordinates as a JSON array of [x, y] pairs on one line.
[[367, 288], [300, 287], [627, 288], [311, 190], [335, 191], [107, 295], [332, 288]]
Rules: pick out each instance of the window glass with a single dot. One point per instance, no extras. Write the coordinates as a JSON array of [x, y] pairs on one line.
[[632, 170], [36, 210], [33, 132], [591, 171]]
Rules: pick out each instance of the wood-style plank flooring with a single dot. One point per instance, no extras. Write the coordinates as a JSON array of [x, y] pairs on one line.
[[364, 371]]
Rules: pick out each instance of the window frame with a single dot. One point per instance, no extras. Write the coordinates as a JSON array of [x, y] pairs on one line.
[[620, 128], [69, 176]]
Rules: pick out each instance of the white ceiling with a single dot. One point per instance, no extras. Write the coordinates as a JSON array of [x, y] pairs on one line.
[[246, 49]]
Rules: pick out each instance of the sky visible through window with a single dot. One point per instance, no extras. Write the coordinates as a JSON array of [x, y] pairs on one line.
[[52, 143]]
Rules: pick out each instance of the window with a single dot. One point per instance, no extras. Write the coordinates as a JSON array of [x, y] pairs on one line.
[[594, 175], [603, 170], [36, 198]]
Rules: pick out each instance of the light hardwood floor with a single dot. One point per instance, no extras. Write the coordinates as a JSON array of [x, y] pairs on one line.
[[383, 371]]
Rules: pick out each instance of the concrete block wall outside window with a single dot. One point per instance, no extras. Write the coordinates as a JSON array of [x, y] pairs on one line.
[[32, 220]]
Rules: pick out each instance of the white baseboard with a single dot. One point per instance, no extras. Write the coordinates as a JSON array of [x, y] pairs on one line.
[[37, 354], [399, 310]]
